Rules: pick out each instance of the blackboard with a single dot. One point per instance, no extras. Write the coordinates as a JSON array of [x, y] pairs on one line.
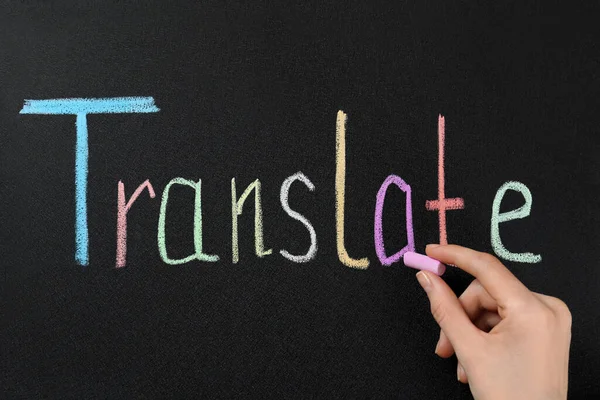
[[235, 94]]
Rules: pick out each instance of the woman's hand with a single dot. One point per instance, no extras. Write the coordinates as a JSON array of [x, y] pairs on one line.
[[511, 343]]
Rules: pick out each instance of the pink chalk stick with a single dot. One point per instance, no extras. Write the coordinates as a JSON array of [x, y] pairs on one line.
[[419, 261]]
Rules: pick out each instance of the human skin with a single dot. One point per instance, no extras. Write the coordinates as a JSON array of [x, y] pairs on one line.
[[510, 342]]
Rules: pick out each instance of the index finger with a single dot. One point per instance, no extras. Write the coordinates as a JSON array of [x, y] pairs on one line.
[[499, 282]]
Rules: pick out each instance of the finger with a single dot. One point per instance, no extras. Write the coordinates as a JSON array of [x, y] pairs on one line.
[[499, 282], [444, 348], [448, 312], [485, 322], [461, 375], [474, 300]]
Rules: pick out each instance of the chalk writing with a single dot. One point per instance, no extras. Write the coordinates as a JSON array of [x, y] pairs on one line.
[[162, 220], [236, 209], [122, 208], [442, 203], [498, 218], [378, 230], [283, 197], [80, 108], [340, 194]]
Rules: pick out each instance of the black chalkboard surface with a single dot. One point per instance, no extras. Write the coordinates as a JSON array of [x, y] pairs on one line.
[[210, 199]]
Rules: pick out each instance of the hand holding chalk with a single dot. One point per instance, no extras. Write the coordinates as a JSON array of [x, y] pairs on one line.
[[511, 343]]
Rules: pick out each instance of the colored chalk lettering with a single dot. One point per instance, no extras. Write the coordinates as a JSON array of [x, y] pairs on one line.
[[123, 206], [283, 197], [236, 209], [378, 230], [81, 108], [340, 195], [498, 218], [442, 203], [162, 220]]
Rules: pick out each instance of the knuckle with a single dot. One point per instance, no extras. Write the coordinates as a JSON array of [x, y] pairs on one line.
[[546, 318], [485, 258], [562, 311], [523, 302], [558, 309]]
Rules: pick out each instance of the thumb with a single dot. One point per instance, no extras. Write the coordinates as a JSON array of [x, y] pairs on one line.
[[448, 313]]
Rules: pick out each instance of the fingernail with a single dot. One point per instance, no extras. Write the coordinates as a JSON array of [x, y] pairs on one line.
[[459, 371], [432, 246], [424, 280]]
